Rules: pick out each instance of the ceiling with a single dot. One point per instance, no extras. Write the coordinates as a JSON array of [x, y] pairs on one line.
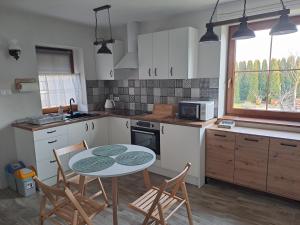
[[122, 11]]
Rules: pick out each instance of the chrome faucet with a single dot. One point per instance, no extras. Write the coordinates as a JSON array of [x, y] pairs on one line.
[[71, 110]]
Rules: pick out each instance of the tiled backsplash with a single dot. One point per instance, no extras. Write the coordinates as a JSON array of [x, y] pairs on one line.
[[142, 94]]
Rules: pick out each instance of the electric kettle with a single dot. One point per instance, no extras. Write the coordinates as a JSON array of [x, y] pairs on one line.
[[109, 104]]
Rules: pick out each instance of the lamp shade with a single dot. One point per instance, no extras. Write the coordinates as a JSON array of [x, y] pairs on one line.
[[210, 35], [104, 49], [244, 32], [284, 26]]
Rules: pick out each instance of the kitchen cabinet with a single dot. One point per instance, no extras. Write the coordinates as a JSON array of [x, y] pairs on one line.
[[251, 161], [220, 155], [105, 63], [170, 54], [180, 145], [145, 55], [284, 167], [119, 131]]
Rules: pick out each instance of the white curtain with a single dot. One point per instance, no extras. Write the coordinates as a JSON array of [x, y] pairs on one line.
[[57, 89]]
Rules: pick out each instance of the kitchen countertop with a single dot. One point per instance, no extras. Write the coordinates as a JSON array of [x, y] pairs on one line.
[[135, 115]]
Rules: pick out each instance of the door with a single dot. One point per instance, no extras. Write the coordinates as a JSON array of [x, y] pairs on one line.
[[104, 64], [219, 161], [145, 51], [97, 134], [119, 131], [251, 161], [284, 167], [180, 145], [178, 53], [78, 132], [161, 55]]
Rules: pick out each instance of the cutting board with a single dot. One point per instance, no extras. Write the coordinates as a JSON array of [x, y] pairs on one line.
[[162, 111]]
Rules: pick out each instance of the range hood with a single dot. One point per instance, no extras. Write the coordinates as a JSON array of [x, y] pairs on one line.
[[130, 60]]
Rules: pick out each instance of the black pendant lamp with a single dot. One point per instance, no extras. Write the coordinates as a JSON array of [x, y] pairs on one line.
[[104, 48], [210, 35], [244, 32], [284, 25]]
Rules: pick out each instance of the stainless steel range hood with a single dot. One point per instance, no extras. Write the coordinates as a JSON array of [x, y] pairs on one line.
[[130, 60]]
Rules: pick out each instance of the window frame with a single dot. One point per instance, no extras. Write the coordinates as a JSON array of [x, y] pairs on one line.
[[292, 116]]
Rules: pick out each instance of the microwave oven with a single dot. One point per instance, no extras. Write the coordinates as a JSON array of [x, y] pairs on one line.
[[196, 110]]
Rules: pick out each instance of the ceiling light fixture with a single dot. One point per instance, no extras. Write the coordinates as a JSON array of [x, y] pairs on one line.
[[103, 49], [284, 26]]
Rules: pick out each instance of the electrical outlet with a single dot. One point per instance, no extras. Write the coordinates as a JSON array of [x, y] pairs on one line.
[[117, 98], [5, 92]]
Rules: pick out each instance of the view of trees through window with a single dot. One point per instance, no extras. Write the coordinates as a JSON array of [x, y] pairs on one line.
[[267, 72]]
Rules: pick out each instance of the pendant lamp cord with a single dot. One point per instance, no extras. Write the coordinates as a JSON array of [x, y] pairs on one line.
[[96, 27], [283, 6], [109, 24], [211, 18], [245, 4]]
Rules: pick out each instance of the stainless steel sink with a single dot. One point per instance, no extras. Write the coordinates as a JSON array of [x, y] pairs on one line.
[[79, 115]]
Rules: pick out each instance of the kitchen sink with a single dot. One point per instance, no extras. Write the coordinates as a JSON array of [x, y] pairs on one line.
[[78, 115]]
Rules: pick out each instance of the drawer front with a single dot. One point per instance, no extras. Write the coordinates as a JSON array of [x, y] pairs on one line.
[[46, 169], [44, 148], [220, 155], [49, 133], [251, 161], [284, 167]]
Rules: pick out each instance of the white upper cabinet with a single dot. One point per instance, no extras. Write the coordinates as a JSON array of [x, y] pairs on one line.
[[161, 55], [105, 63], [145, 52], [209, 60], [170, 54]]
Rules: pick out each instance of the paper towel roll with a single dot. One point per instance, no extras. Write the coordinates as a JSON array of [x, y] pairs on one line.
[[29, 87]]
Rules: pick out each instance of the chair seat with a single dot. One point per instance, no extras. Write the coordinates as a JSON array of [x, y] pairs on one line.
[[144, 203], [91, 208]]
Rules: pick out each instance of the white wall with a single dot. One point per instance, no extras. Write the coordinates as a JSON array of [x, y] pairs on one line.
[[30, 30]]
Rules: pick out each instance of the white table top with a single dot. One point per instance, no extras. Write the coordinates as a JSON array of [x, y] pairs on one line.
[[116, 169]]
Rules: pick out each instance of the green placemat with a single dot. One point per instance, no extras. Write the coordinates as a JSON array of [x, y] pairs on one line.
[[93, 164], [134, 158], [110, 150]]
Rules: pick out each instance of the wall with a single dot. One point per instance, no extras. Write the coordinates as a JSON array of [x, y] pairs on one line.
[[30, 30]]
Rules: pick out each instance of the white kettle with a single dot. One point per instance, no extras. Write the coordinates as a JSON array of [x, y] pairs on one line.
[[109, 104]]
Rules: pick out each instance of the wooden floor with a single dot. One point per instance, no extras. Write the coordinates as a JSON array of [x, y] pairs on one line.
[[214, 204]]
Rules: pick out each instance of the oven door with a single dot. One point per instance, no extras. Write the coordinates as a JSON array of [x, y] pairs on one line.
[[147, 138], [189, 111]]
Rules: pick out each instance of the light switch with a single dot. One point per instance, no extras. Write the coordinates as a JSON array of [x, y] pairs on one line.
[[5, 92]]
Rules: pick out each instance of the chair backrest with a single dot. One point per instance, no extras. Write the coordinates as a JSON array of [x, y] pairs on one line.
[[51, 193], [58, 153]]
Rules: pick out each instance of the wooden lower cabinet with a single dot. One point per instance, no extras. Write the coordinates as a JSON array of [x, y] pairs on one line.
[[220, 155], [284, 168], [251, 161]]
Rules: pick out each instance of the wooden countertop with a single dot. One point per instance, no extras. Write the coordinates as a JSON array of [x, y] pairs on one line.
[[260, 132], [101, 114]]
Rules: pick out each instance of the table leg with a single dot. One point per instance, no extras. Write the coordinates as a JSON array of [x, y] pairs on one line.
[[147, 179], [115, 200], [81, 185]]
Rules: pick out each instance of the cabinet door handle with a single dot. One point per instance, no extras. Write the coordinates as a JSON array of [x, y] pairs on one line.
[[155, 72], [220, 135], [289, 145], [51, 132], [171, 71], [149, 72], [127, 124], [250, 139], [162, 130], [52, 161], [110, 73], [86, 127], [93, 126], [51, 142]]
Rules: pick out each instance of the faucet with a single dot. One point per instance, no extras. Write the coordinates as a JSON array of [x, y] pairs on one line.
[[71, 110]]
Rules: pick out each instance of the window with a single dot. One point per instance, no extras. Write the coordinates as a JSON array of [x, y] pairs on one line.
[[58, 81], [264, 74]]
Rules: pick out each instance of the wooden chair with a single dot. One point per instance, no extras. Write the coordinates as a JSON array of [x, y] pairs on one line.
[[67, 207], [158, 205], [70, 178]]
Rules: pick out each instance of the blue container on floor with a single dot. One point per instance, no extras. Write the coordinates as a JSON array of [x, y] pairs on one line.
[[10, 169]]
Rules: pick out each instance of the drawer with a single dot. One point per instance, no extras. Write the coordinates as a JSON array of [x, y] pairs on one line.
[[284, 167], [49, 133], [252, 141], [44, 148], [220, 138], [46, 169]]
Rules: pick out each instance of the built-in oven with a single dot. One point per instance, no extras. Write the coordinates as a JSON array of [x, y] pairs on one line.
[[146, 134]]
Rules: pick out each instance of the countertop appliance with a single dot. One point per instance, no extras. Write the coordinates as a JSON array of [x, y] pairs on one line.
[[146, 134], [109, 104], [196, 110]]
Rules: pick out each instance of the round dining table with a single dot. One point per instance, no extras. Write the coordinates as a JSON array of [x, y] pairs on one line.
[[114, 171]]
